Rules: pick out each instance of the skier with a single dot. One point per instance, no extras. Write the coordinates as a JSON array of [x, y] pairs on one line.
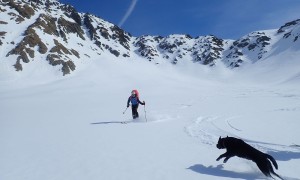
[[135, 101]]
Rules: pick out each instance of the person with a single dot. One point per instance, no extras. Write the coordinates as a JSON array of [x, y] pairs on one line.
[[135, 101]]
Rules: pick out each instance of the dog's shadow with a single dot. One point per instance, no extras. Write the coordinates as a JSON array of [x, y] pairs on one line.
[[220, 172]]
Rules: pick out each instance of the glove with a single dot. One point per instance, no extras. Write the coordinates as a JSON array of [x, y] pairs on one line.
[[144, 103]]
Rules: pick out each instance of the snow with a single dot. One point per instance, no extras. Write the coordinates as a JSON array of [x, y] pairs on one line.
[[55, 127]]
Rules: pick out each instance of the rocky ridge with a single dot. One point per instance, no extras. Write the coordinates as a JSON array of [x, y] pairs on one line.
[[57, 33]]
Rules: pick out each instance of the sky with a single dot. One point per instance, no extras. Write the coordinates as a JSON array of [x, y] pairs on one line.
[[226, 19]]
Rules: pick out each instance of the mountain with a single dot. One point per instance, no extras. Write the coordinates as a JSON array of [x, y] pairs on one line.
[[50, 32]]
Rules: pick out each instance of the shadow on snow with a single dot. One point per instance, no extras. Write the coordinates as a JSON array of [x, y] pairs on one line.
[[220, 172], [110, 122], [284, 155], [291, 152]]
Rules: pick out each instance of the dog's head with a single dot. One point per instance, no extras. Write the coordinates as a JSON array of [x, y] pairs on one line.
[[220, 144]]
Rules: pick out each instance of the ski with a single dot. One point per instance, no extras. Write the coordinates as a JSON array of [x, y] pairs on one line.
[[118, 122], [294, 145]]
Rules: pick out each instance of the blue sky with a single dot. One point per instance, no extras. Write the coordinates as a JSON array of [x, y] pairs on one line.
[[227, 19]]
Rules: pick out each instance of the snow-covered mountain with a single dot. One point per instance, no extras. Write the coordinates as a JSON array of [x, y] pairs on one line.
[[56, 34]]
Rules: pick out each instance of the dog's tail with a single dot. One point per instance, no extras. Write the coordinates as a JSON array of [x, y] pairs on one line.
[[272, 160]]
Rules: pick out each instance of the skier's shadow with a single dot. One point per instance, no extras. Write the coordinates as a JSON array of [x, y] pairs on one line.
[[108, 122], [220, 172]]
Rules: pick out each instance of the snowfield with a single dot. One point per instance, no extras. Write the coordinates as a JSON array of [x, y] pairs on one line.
[[68, 128]]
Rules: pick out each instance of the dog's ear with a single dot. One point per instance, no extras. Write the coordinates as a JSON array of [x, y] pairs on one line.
[[219, 144]]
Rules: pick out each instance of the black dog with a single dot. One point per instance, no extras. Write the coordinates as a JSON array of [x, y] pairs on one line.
[[237, 147]]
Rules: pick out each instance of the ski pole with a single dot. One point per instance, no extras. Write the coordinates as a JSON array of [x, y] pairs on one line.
[[125, 110], [145, 113]]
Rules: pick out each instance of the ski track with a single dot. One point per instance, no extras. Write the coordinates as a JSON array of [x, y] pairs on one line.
[[158, 118], [206, 130]]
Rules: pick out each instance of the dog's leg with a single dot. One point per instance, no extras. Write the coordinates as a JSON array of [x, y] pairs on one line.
[[221, 156], [272, 171], [226, 159], [272, 160], [226, 156], [265, 167]]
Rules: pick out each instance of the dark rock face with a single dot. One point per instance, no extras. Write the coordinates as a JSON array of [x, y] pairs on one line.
[[24, 48], [59, 52], [204, 50], [254, 43], [121, 37], [60, 28], [145, 47], [288, 30], [88, 23], [47, 24], [67, 66], [23, 9], [2, 35], [67, 27], [212, 48], [283, 28]]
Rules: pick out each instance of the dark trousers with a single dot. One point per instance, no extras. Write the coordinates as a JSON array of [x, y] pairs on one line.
[[134, 109]]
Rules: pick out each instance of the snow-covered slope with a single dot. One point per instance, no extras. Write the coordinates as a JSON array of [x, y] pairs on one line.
[[55, 34], [70, 128]]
